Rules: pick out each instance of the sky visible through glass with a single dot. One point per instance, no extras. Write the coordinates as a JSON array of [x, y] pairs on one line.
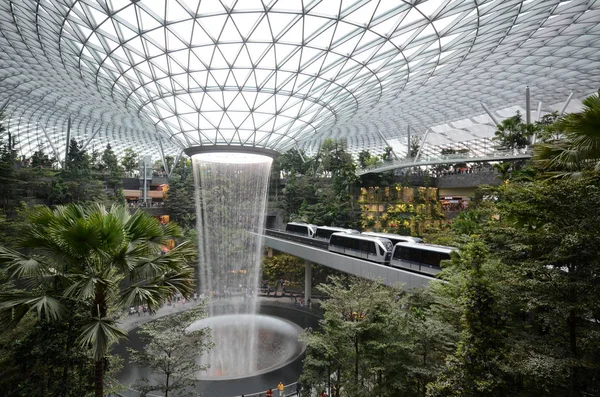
[[288, 73]]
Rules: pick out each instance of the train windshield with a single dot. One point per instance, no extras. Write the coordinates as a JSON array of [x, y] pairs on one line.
[[388, 245]]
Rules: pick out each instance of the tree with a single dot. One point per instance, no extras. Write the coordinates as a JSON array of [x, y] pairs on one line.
[[170, 352], [79, 181], [476, 367], [292, 161], [39, 159], [504, 168], [579, 149], [548, 240], [180, 200], [283, 266], [415, 145], [112, 170], [362, 341], [512, 133], [130, 160], [8, 157], [100, 260]]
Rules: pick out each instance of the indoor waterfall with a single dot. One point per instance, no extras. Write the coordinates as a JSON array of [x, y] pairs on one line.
[[231, 195]]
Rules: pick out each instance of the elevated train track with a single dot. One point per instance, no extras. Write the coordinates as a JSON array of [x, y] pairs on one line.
[[316, 251]]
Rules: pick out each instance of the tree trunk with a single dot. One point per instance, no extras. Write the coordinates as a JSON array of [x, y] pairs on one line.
[[356, 360], [574, 383], [99, 310], [167, 386], [99, 378], [67, 365]]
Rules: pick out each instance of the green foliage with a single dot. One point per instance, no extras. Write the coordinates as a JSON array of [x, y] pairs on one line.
[[415, 145], [320, 191], [291, 162], [571, 145], [41, 160], [367, 160], [170, 353], [130, 160], [113, 171], [476, 367], [78, 183], [283, 266], [97, 260], [180, 198], [548, 239], [513, 133], [373, 341]]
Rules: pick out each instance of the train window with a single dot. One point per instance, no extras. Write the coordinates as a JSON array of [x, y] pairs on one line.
[[414, 255], [372, 248], [299, 229], [398, 253], [363, 246], [431, 258], [381, 251]]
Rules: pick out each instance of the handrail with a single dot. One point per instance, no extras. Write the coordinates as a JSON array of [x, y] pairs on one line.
[[290, 390], [449, 158]]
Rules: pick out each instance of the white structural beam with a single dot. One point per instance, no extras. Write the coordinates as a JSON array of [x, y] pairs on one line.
[[422, 144], [177, 158], [56, 154], [68, 140], [562, 111], [489, 112], [527, 106], [162, 156], [90, 138], [387, 143]]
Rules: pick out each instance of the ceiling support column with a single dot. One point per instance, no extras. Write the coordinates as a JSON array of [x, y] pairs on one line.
[[566, 104], [527, 106], [489, 112]]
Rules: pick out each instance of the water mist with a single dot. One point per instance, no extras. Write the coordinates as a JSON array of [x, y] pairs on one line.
[[231, 195]]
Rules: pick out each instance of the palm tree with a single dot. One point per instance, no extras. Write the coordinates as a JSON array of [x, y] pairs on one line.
[[504, 169], [99, 259], [579, 149], [512, 133]]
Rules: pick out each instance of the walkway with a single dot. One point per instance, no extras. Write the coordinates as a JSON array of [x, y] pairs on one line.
[[468, 157]]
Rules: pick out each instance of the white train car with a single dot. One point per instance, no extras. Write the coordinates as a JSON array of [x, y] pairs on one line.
[[374, 249], [395, 238], [325, 232], [422, 258], [301, 229]]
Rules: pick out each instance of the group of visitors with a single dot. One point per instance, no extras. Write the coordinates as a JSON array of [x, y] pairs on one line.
[[145, 204], [453, 206], [280, 389], [139, 310]]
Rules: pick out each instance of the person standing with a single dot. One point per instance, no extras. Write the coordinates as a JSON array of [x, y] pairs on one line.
[[269, 393], [280, 387]]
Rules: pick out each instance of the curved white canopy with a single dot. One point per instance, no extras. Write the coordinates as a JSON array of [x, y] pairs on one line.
[[284, 73]]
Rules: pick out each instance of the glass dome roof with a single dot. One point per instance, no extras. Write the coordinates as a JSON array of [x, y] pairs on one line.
[[279, 74]]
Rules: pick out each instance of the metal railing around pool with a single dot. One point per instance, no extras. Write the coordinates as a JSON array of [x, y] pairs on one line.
[[290, 390]]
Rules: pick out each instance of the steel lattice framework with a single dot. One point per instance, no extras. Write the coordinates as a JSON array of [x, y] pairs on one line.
[[279, 74]]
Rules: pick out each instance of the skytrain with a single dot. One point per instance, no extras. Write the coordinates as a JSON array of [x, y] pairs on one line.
[[403, 252]]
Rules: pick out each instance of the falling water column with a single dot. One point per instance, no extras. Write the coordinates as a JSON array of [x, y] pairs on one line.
[[231, 195]]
